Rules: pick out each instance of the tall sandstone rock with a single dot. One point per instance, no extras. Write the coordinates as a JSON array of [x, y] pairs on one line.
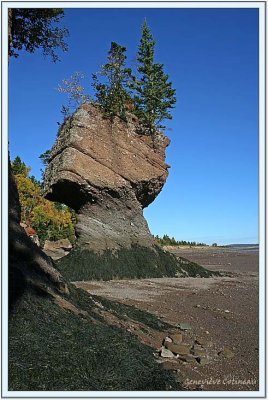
[[108, 172]]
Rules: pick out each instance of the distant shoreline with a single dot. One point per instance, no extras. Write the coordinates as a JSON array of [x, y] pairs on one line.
[[231, 247]]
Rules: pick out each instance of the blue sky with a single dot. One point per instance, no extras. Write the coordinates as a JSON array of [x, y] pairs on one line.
[[211, 56]]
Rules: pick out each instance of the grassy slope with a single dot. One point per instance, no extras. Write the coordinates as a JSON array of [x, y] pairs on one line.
[[135, 262], [52, 349]]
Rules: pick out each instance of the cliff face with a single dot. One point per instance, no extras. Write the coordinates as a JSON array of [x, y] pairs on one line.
[[108, 173]]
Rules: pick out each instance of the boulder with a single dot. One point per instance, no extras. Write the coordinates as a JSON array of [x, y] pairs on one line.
[[176, 338], [57, 249], [165, 353], [181, 349]]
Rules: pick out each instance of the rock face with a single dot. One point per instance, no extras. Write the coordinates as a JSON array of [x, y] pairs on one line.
[[108, 172]]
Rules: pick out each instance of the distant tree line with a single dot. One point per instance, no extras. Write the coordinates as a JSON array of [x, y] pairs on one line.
[[171, 241]]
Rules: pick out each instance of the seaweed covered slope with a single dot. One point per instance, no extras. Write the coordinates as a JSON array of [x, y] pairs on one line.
[[135, 262], [63, 343]]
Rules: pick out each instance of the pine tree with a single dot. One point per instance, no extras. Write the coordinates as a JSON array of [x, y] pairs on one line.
[[154, 95], [111, 90], [34, 28], [19, 167]]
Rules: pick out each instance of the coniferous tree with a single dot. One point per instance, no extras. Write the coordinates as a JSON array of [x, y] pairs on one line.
[[112, 88], [19, 167], [34, 28], [154, 95]]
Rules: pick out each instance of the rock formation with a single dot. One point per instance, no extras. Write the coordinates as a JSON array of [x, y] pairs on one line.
[[108, 172]]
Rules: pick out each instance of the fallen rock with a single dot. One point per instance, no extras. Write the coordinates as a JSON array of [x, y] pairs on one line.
[[198, 352], [203, 342], [176, 338], [64, 244], [180, 349], [166, 353], [57, 249], [188, 358], [168, 339]]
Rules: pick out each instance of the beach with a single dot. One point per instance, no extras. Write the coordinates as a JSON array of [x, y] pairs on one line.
[[222, 313]]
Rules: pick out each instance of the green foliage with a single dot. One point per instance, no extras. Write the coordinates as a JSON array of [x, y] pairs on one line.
[[33, 28], [111, 84], [19, 167], [53, 349], [135, 262], [51, 223], [154, 95], [167, 241], [45, 157], [214, 245]]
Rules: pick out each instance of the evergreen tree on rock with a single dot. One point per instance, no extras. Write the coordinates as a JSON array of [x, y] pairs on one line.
[[154, 95], [112, 90]]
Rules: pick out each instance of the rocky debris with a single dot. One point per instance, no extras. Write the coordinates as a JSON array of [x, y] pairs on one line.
[[108, 172], [188, 358], [181, 349], [176, 338], [57, 249], [168, 340], [189, 350], [198, 351], [165, 353]]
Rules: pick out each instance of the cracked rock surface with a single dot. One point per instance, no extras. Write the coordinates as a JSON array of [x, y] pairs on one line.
[[108, 172]]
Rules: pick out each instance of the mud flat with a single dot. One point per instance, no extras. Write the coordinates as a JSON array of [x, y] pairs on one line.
[[222, 313]]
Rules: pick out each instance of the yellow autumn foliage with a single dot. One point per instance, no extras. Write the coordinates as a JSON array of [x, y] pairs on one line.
[[51, 221]]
